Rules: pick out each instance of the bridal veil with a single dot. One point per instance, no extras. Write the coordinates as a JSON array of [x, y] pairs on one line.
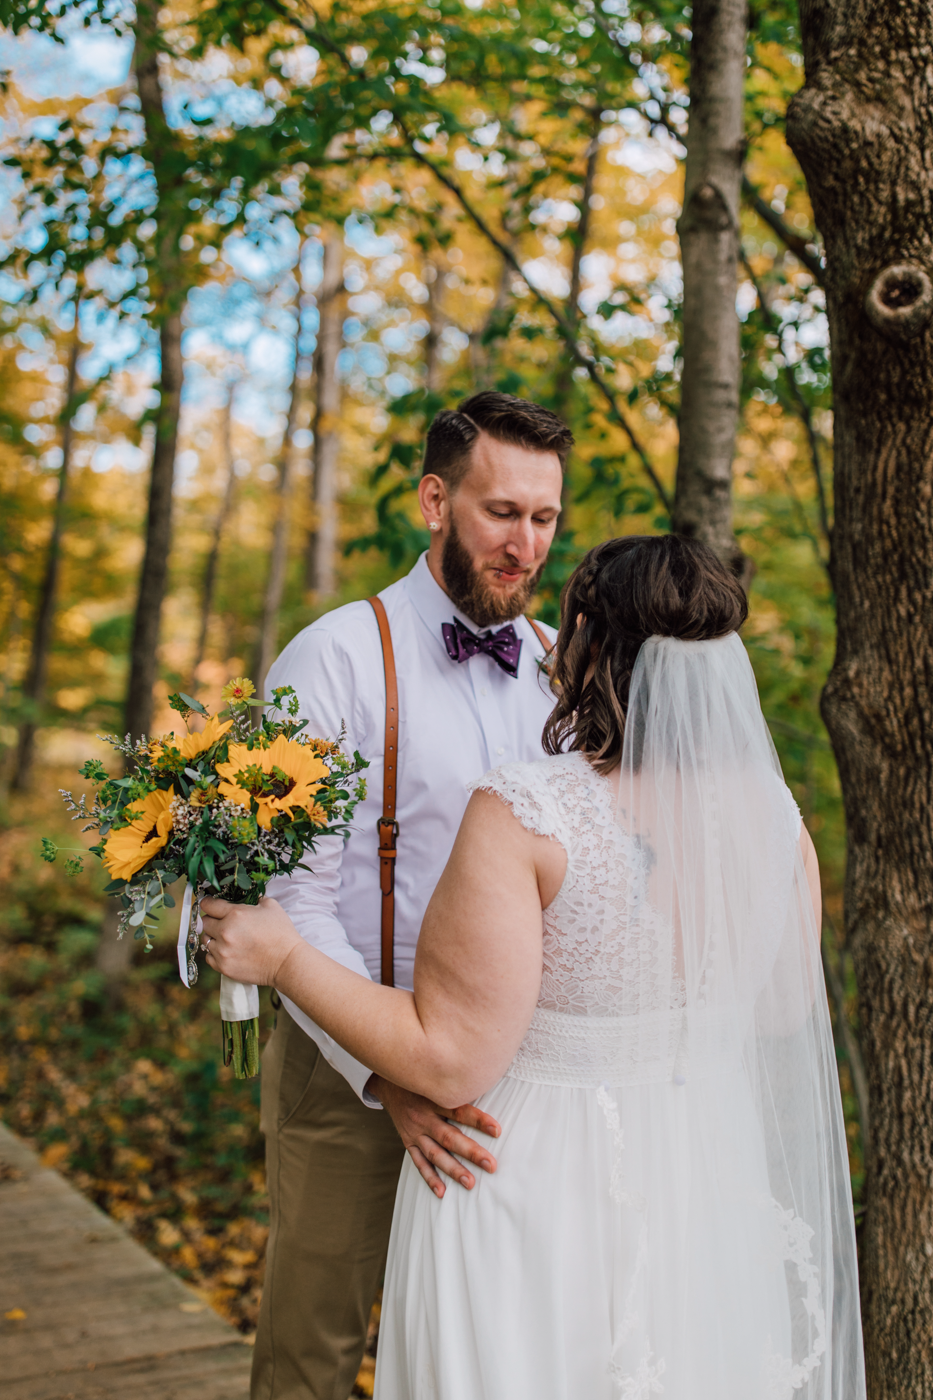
[[733, 997]]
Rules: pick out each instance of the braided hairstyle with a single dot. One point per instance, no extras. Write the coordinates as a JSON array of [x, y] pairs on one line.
[[623, 592]]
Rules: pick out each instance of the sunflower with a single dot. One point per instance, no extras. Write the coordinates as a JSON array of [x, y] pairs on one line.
[[127, 849], [192, 744], [278, 778]]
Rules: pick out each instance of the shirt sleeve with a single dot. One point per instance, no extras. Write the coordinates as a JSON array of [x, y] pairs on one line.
[[328, 680]]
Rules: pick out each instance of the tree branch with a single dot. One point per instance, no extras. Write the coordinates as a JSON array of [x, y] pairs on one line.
[[799, 244], [560, 321], [800, 404]]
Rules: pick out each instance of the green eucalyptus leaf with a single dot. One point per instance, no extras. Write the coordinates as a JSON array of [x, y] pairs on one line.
[[193, 704]]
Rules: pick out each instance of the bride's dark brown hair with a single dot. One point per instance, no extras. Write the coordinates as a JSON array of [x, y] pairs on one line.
[[625, 591]]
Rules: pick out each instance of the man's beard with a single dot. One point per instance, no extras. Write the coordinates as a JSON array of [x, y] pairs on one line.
[[471, 593]]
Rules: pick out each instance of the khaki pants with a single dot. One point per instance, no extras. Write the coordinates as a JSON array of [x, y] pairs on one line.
[[332, 1167]]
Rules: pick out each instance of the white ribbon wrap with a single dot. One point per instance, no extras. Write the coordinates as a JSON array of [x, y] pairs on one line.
[[238, 1001], [183, 934]]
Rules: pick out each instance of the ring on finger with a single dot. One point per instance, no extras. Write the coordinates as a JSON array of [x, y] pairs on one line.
[[205, 943]]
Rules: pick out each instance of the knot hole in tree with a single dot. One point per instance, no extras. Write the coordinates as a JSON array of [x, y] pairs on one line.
[[706, 208], [900, 301]]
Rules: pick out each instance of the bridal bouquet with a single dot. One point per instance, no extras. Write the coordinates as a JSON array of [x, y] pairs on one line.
[[227, 807]]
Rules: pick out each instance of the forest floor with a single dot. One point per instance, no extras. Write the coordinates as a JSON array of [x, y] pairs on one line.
[[127, 1096]]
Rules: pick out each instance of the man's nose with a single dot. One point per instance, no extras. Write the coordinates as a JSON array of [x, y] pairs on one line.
[[522, 543]]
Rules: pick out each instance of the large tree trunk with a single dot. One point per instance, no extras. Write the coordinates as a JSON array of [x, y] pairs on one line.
[[267, 644], [168, 288], [34, 686], [220, 524], [709, 241], [862, 129], [321, 574]]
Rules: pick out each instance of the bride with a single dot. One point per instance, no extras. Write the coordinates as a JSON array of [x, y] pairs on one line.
[[671, 1210]]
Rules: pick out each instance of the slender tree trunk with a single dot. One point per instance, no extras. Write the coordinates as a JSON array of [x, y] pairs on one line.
[[34, 687], [709, 241], [563, 382], [168, 288], [267, 644], [220, 524], [482, 360], [862, 129], [433, 380], [320, 576]]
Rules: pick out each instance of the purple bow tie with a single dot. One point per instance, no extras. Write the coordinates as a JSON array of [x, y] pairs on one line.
[[503, 646]]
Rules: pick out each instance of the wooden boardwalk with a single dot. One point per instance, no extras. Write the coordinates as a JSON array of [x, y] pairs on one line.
[[87, 1314]]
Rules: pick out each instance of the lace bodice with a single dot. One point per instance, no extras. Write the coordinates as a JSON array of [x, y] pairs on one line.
[[605, 951]]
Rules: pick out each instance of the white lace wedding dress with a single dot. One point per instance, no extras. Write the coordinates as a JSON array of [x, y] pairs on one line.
[[629, 1244]]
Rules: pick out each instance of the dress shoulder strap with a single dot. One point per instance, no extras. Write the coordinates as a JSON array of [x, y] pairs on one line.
[[387, 826]]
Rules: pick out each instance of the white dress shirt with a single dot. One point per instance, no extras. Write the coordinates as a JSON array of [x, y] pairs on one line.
[[456, 721]]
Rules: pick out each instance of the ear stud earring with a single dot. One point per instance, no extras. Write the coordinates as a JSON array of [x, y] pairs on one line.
[[434, 525]]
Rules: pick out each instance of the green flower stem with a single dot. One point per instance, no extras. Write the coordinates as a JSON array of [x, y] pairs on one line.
[[241, 1047]]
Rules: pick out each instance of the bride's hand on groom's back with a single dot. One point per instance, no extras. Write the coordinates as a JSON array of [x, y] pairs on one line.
[[431, 1140]]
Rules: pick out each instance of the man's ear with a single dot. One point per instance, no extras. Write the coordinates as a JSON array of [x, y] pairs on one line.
[[434, 500]]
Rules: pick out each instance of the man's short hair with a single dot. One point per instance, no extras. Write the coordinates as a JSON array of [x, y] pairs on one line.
[[504, 417]]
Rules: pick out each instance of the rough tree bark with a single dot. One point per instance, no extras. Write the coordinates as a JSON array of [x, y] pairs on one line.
[[267, 642], [34, 684], [709, 241], [168, 290], [320, 571], [220, 524], [862, 129]]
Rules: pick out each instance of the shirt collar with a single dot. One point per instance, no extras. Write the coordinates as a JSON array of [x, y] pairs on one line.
[[431, 603]]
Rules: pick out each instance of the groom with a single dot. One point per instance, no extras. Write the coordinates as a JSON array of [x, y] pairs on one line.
[[490, 495]]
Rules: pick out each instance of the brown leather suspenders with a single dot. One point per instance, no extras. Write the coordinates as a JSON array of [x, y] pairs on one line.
[[539, 634], [387, 826]]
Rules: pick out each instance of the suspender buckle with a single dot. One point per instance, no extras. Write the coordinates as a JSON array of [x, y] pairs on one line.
[[388, 832]]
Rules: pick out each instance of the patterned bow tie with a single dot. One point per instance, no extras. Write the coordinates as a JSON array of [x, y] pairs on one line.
[[503, 646]]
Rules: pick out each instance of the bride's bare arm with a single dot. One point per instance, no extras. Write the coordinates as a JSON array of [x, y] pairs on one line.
[[477, 969]]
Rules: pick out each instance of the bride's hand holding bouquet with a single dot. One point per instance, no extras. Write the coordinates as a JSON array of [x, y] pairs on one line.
[[227, 807]]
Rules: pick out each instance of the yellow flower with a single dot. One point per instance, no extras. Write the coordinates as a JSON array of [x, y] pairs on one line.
[[249, 773], [128, 849], [318, 814], [325, 747], [238, 692], [191, 744]]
